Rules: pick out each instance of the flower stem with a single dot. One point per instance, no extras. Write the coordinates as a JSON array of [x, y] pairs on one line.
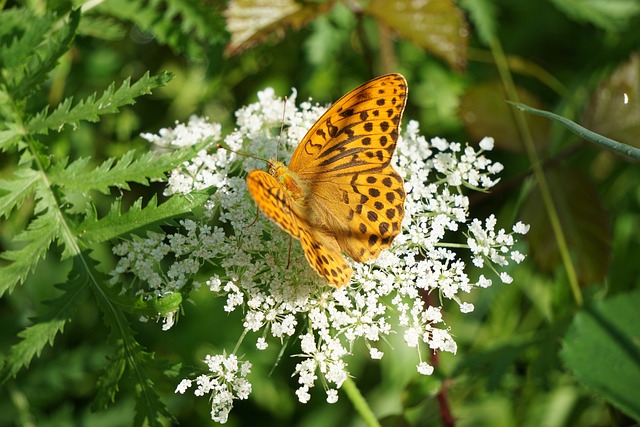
[[359, 402]]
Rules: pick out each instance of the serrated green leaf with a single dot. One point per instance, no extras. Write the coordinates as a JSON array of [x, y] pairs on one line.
[[109, 379], [435, 25], [45, 329], [199, 32], [117, 174], [20, 186], [90, 109], [116, 224], [583, 220], [9, 138], [45, 58], [27, 31], [37, 238], [610, 15], [602, 349], [129, 355]]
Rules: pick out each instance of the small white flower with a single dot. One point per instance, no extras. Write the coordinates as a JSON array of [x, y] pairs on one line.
[[486, 143], [466, 307], [183, 386], [424, 368], [506, 278], [374, 353], [521, 228], [254, 269]]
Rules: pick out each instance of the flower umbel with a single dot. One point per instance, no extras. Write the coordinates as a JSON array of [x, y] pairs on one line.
[[281, 297], [225, 382]]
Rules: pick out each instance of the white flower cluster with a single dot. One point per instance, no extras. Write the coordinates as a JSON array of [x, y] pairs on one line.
[[225, 383], [258, 272]]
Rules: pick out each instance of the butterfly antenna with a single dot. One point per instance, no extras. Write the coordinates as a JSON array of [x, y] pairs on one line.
[[284, 110], [240, 153]]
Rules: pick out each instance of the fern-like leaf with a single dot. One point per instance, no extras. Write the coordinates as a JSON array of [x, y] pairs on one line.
[[117, 174], [45, 58], [36, 239], [22, 185], [129, 355], [91, 109], [200, 30], [34, 338], [14, 23], [116, 224]]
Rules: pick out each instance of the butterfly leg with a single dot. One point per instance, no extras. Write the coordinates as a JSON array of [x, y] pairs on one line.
[[289, 253], [256, 218]]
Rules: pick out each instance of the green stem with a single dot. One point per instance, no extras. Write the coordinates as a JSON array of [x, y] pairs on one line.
[[359, 402], [538, 172]]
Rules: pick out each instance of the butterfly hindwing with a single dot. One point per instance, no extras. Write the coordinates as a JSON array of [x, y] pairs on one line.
[[323, 253], [321, 250]]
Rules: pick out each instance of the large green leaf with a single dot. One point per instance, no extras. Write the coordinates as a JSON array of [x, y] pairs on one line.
[[602, 349], [583, 220]]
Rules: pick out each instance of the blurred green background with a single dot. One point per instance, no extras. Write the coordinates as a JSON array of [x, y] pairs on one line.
[[517, 363]]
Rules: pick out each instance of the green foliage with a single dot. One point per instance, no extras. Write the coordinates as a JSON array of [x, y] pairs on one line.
[[73, 180], [610, 15], [605, 333], [52, 196], [188, 26]]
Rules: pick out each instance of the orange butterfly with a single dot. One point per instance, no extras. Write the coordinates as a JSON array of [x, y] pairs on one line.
[[340, 192]]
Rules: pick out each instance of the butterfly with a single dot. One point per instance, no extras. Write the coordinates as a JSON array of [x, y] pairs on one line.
[[340, 192]]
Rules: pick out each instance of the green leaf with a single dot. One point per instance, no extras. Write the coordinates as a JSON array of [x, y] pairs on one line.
[[436, 25], [112, 173], [583, 220], [583, 132], [610, 15], [45, 58], [116, 224], [20, 186], [129, 355], [187, 26], [45, 329], [91, 108], [9, 138], [37, 238], [27, 31], [602, 349]]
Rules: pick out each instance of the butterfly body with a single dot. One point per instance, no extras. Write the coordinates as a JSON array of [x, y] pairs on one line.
[[340, 192]]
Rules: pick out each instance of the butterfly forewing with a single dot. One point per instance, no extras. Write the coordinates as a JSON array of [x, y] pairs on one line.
[[357, 133]]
